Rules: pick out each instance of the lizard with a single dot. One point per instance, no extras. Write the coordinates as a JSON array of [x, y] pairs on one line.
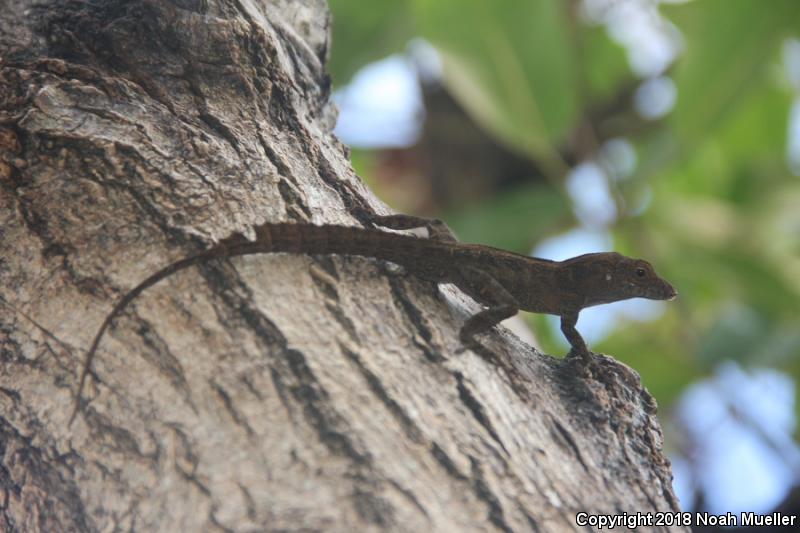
[[504, 282]]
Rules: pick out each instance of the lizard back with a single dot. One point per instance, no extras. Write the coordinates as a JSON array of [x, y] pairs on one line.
[[531, 280]]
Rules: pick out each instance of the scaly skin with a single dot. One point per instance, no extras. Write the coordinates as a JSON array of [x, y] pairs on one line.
[[503, 281]]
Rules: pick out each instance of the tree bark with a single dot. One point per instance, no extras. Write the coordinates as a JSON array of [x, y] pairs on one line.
[[276, 392]]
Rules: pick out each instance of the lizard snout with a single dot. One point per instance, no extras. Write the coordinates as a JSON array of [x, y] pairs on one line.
[[673, 295], [660, 289], [670, 293]]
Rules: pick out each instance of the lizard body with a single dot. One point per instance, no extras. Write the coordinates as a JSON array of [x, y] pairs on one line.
[[503, 281]]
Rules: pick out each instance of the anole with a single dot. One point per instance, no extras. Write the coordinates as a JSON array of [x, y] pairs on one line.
[[503, 281]]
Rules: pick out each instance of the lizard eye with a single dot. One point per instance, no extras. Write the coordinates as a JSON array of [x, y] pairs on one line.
[[640, 272]]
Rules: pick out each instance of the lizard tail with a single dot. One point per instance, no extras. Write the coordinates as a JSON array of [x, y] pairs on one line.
[[281, 237], [118, 307]]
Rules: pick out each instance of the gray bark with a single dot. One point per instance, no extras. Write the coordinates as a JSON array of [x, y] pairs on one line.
[[263, 393]]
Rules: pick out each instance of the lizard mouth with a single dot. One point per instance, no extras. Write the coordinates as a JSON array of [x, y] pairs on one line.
[[672, 294]]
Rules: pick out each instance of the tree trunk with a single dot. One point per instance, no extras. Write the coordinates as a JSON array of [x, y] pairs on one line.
[[271, 392]]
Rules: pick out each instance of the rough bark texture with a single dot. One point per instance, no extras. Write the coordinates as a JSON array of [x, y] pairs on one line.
[[264, 393]]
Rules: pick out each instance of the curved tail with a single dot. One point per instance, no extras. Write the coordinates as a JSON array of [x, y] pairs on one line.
[[280, 237], [123, 302]]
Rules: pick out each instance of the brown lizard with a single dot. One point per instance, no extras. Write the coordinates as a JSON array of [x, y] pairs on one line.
[[503, 281]]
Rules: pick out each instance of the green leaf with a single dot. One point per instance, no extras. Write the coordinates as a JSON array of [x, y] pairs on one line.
[[604, 65], [510, 63], [729, 48], [497, 221], [366, 31]]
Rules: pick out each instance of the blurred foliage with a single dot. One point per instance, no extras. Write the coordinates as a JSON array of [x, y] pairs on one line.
[[367, 32], [497, 219], [723, 220], [527, 99]]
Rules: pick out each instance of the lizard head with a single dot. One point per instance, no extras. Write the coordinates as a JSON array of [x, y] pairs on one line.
[[606, 277], [636, 278]]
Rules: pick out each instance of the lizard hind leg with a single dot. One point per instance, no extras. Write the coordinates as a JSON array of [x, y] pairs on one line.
[[484, 289], [437, 229]]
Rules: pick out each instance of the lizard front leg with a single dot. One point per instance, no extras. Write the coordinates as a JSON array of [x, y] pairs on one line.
[[479, 285], [579, 349], [484, 289]]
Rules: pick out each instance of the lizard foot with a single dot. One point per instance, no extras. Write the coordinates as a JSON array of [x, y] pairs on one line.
[[582, 355], [468, 342], [580, 362], [466, 346]]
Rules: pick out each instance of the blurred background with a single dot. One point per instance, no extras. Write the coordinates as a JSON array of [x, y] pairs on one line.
[[664, 130]]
